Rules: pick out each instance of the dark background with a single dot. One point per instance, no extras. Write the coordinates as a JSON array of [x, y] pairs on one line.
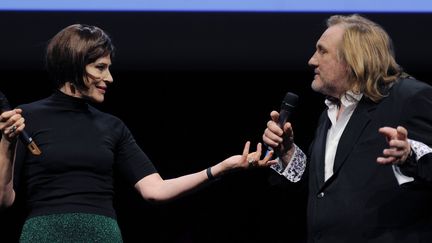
[[193, 88]]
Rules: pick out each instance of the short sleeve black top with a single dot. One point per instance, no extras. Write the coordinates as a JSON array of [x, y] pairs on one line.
[[81, 148]]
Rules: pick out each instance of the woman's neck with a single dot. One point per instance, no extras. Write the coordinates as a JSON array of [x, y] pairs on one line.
[[70, 89]]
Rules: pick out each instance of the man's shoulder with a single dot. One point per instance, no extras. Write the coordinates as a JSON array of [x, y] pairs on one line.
[[410, 86], [411, 82]]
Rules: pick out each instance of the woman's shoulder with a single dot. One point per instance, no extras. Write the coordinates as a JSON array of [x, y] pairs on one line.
[[34, 105], [106, 117]]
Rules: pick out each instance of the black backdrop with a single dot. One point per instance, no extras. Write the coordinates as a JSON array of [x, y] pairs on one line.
[[193, 87]]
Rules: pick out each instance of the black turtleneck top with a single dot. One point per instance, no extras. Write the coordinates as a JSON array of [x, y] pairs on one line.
[[81, 148]]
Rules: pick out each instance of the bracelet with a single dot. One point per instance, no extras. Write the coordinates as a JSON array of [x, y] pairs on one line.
[[209, 174]]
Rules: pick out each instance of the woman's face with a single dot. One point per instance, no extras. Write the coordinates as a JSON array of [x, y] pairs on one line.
[[97, 79]]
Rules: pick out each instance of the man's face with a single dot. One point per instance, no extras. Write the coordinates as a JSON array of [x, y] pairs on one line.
[[331, 74]]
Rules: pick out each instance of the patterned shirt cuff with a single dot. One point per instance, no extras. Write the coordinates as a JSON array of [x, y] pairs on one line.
[[420, 149], [295, 168]]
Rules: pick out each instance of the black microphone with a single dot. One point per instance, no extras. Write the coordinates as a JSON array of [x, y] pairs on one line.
[[287, 108], [24, 137], [288, 105]]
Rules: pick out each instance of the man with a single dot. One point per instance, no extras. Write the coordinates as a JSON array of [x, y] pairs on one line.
[[369, 169]]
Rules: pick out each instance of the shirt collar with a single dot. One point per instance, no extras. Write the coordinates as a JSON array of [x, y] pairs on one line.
[[347, 99]]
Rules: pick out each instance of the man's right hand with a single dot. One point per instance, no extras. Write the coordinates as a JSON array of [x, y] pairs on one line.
[[280, 139]]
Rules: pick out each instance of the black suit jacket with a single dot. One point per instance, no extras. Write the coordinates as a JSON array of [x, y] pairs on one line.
[[362, 201]]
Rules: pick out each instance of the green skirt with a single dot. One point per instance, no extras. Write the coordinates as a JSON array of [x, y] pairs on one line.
[[71, 227]]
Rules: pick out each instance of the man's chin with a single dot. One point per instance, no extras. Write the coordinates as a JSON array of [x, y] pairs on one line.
[[316, 85]]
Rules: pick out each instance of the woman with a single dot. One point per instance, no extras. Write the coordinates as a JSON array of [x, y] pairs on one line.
[[69, 187]]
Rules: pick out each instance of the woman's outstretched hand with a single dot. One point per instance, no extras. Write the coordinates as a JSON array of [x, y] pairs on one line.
[[249, 159]]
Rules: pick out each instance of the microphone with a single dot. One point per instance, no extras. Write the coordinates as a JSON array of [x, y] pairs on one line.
[[287, 108], [24, 137]]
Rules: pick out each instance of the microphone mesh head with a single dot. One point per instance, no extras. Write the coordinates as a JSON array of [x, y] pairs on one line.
[[290, 99]]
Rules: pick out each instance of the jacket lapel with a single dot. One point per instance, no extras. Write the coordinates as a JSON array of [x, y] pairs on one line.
[[318, 153], [355, 127]]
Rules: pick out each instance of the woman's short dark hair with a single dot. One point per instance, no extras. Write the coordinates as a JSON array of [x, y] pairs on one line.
[[74, 47]]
